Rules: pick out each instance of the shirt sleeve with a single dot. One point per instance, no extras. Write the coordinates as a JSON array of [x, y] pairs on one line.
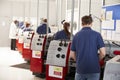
[[100, 42], [73, 48]]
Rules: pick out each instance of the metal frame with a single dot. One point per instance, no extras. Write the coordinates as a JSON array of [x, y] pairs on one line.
[[57, 13], [103, 2], [90, 6], [48, 2], [24, 10], [72, 18], [37, 12], [79, 15], [29, 9]]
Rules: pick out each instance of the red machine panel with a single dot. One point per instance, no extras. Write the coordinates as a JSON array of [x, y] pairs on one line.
[[116, 52], [56, 72], [37, 61], [27, 52], [36, 65]]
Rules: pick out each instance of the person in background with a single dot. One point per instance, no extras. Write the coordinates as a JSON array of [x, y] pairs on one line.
[[13, 34], [42, 29], [63, 34], [21, 24], [84, 50], [27, 27]]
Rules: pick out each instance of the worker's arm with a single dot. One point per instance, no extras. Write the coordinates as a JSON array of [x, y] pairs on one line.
[[102, 53], [72, 55]]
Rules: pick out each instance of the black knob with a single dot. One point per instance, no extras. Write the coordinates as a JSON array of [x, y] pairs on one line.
[[63, 56], [40, 43], [28, 38], [58, 55], [60, 44], [37, 43], [59, 49], [65, 44], [38, 39], [40, 36]]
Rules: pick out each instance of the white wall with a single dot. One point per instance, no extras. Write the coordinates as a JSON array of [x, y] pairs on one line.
[[110, 2], [96, 6], [19, 8], [5, 19], [95, 10]]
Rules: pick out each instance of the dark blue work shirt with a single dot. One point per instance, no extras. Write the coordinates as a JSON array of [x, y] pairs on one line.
[[86, 44], [61, 35], [42, 29]]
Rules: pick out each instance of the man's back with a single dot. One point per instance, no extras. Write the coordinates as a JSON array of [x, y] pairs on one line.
[[42, 29], [84, 49], [86, 44]]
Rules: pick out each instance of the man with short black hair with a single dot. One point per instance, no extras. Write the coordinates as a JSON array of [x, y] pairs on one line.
[[84, 50]]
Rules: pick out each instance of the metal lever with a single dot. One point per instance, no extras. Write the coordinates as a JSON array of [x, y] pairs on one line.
[[116, 44], [61, 44]]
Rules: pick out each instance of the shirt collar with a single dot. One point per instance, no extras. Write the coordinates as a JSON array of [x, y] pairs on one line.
[[86, 28]]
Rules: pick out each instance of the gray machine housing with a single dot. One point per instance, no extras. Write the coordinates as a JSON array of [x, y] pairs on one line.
[[57, 53], [27, 37], [37, 42], [112, 69]]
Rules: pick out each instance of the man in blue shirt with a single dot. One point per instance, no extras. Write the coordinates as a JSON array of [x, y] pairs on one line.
[[84, 49], [42, 29]]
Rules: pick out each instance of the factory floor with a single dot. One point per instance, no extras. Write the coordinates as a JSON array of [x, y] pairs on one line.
[[9, 58]]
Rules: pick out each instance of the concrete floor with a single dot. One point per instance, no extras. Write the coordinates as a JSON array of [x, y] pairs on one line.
[[8, 58]]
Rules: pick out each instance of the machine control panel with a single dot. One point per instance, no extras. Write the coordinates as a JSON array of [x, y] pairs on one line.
[[112, 69], [57, 53], [37, 42], [27, 39]]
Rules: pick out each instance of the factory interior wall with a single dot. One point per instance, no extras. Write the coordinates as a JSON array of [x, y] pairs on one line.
[[19, 8]]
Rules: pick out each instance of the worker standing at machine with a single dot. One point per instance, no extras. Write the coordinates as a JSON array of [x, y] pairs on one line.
[[63, 34], [42, 29], [27, 27], [84, 50], [13, 34]]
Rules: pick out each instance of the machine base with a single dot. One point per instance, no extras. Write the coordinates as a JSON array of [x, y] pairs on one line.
[[40, 75]]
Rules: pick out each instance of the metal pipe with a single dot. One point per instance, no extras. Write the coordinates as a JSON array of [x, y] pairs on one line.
[[79, 15], [24, 10], [57, 11], [103, 2], [90, 7], [72, 18], [37, 12], [61, 5], [29, 8], [60, 11], [47, 15]]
